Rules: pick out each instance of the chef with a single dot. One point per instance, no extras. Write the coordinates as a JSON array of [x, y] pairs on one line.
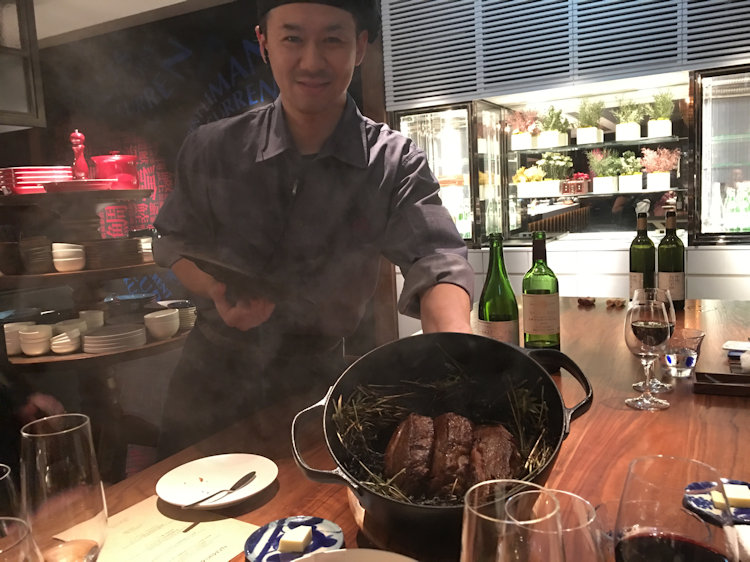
[[302, 195]]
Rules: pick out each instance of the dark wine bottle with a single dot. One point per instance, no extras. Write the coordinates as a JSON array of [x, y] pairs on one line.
[[498, 309], [642, 257], [541, 300], [672, 262]]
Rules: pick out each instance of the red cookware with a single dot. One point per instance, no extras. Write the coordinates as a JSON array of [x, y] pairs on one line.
[[120, 167]]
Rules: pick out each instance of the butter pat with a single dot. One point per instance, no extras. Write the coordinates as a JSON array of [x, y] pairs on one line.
[[737, 494], [296, 540]]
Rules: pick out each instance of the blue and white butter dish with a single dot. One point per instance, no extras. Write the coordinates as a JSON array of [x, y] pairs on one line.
[[263, 544]]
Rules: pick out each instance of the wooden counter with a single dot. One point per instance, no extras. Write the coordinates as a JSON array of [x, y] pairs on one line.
[[593, 460]]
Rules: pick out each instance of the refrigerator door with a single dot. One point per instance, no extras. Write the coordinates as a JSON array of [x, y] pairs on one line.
[[723, 174], [444, 136]]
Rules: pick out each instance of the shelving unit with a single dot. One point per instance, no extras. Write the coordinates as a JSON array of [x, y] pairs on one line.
[[93, 372]]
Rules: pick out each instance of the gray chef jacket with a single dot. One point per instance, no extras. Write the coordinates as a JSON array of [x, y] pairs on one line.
[[314, 226]]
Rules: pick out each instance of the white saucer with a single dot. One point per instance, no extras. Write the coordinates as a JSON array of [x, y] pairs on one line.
[[191, 481]]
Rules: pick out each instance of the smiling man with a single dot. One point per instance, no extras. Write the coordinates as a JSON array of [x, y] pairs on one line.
[[303, 195]]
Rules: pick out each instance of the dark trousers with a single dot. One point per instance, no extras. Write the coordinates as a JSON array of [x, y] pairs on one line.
[[214, 385]]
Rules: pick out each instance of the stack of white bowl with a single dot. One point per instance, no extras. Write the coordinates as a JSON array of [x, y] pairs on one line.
[[162, 324], [35, 339], [67, 342], [71, 324], [188, 313], [12, 339], [94, 318], [68, 257]]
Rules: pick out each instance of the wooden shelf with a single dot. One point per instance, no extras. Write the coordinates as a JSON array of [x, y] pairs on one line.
[[71, 197], [605, 144], [76, 277], [69, 360]]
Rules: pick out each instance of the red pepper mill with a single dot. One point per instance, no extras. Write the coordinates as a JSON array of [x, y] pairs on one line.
[[80, 166]]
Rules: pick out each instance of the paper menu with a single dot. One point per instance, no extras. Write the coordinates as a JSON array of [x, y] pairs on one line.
[[142, 532]]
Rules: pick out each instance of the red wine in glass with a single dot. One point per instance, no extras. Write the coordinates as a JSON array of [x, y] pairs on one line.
[[664, 548], [651, 333]]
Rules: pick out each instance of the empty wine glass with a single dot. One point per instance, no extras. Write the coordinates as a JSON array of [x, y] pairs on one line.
[[62, 493], [511, 521], [666, 512], [646, 334], [8, 497], [16, 542], [664, 296]]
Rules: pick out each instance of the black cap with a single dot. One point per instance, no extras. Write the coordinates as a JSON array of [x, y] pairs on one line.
[[366, 12]]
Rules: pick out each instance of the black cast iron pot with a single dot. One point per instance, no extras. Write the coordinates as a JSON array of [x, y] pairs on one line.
[[431, 532]]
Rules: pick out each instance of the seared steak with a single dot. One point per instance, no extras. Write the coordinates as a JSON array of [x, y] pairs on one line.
[[494, 454], [449, 474], [410, 452]]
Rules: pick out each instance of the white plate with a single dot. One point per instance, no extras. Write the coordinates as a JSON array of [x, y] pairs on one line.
[[191, 481], [356, 555]]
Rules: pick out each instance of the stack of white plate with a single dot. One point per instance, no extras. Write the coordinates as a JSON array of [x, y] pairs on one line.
[[67, 342], [146, 251], [35, 339], [118, 337], [71, 324], [12, 339], [187, 313]]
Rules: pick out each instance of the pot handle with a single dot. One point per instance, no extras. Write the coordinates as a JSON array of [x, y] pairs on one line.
[[335, 476], [552, 360]]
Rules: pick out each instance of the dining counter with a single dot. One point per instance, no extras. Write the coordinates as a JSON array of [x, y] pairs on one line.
[[593, 459]]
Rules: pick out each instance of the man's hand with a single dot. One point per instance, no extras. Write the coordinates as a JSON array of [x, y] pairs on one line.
[[445, 308], [38, 406], [245, 313]]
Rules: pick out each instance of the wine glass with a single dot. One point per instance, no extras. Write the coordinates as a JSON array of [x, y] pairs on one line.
[[16, 542], [61, 490], [583, 535], [510, 521], [666, 513], [646, 333], [661, 295], [8, 497]]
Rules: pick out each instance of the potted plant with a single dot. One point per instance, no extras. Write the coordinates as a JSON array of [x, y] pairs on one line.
[[631, 175], [605, 166], [660, 115], [524, 129], [629, 115], [531, 182], [659, 164], [588, 130], [556, 167], [555, 129]]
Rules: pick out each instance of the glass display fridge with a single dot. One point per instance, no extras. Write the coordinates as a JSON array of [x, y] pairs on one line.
[[465, 146], [721, 206]]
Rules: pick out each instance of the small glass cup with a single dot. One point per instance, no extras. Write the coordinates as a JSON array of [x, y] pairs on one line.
[[16, 542], [682, 352]]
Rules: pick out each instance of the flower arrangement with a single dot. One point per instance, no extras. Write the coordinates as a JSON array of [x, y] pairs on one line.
[[604, 162], [629, 111], [630, 163], [554, 121], [532, 173], [662, 106], [589, 113], [660, 160], [555, 166], [524, 121], [581, 176]]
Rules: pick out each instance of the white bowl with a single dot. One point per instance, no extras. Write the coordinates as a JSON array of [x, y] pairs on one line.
[[35, 332], [67, 325], [94, 318], [67, 254], [32, 348], [66, 246], [162, 324], [69, 335], [69, 264], [12, 338]]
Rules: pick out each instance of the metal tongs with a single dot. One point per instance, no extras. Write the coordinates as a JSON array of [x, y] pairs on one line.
[[241, 483]]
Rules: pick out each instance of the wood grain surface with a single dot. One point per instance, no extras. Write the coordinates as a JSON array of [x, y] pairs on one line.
[[593, 460]]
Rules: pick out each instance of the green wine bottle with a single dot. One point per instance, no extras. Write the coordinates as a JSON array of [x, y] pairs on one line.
[[541, 300], [642, 257], [498, 309], [672, 262]]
